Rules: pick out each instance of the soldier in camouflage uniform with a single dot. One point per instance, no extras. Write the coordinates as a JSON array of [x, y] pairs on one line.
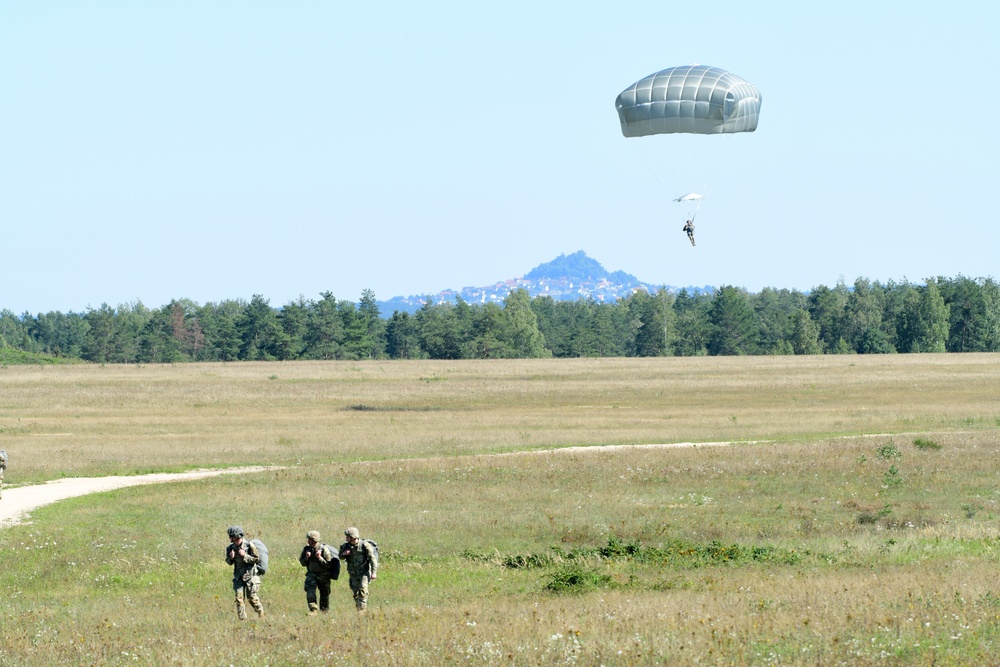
[[362, 564], [3, 466], [242, 555], [689, 229], [316, 558]]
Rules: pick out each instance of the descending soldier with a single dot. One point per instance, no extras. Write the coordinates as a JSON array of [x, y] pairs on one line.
[[361, 558], [242, 554], [316, 558], [689, 228], [3, 466]]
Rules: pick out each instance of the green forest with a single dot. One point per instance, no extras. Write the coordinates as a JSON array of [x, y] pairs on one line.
[[942, 315]]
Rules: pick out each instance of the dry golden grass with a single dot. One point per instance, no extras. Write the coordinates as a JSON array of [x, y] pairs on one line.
[[87, 420], [869, 566]]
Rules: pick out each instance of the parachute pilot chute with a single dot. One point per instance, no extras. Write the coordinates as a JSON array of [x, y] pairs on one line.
[[691, 196]]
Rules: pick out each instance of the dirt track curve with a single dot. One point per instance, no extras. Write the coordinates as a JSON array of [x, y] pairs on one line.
[[17, 503]]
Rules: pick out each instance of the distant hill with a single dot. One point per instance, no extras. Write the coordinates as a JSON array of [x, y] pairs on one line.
[[565, 278]]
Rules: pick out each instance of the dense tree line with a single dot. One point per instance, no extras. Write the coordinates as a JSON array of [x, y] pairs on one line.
[[944, 314]]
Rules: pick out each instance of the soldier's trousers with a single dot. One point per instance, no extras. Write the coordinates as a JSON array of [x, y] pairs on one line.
[[313, 582], [247, 591], [1, 482], [359, 586]]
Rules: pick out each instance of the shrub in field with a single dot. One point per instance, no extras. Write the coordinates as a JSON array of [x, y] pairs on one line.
[[869, 518], [618, 549], [971, 509], [364, 407], [892, 477], [715, 553], [575, 578], [517, 561], [989, 599], [889, 452], [677, 554], [527, 561], [923, 443]]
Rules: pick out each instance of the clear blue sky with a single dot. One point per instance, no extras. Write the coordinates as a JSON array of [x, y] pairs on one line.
[[215, 150]]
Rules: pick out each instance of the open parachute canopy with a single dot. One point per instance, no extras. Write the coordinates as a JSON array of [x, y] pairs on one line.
[[693, 99]]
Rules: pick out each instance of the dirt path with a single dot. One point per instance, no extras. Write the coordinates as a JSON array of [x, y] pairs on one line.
[[17, 503], [608, 448]]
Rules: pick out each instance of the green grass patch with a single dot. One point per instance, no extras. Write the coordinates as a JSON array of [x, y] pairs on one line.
[[12, 357]]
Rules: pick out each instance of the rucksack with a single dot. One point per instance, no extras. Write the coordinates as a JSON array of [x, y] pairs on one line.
[[261, 556], [374, 548], [3, 458], [333, 567]]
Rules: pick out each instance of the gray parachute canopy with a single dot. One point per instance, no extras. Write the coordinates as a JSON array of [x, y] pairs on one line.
[[694, 99]]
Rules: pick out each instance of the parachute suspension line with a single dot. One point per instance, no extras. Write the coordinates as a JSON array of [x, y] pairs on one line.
[[668, 171], [691, 215], [654, 166], [667, 179], [696, 209], [722, 170]]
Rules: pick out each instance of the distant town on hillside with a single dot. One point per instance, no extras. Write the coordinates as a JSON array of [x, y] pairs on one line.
[[565, 278]]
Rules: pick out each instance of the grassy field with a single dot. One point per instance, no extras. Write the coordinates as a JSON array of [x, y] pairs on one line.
[[853, 519]]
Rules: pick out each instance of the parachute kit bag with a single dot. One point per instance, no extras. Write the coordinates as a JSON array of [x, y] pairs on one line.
[[333, 567], [374, 548], [261, 556]]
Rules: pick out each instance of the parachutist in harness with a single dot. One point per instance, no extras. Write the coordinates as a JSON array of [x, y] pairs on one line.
[[689, 99], [689, 228]]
